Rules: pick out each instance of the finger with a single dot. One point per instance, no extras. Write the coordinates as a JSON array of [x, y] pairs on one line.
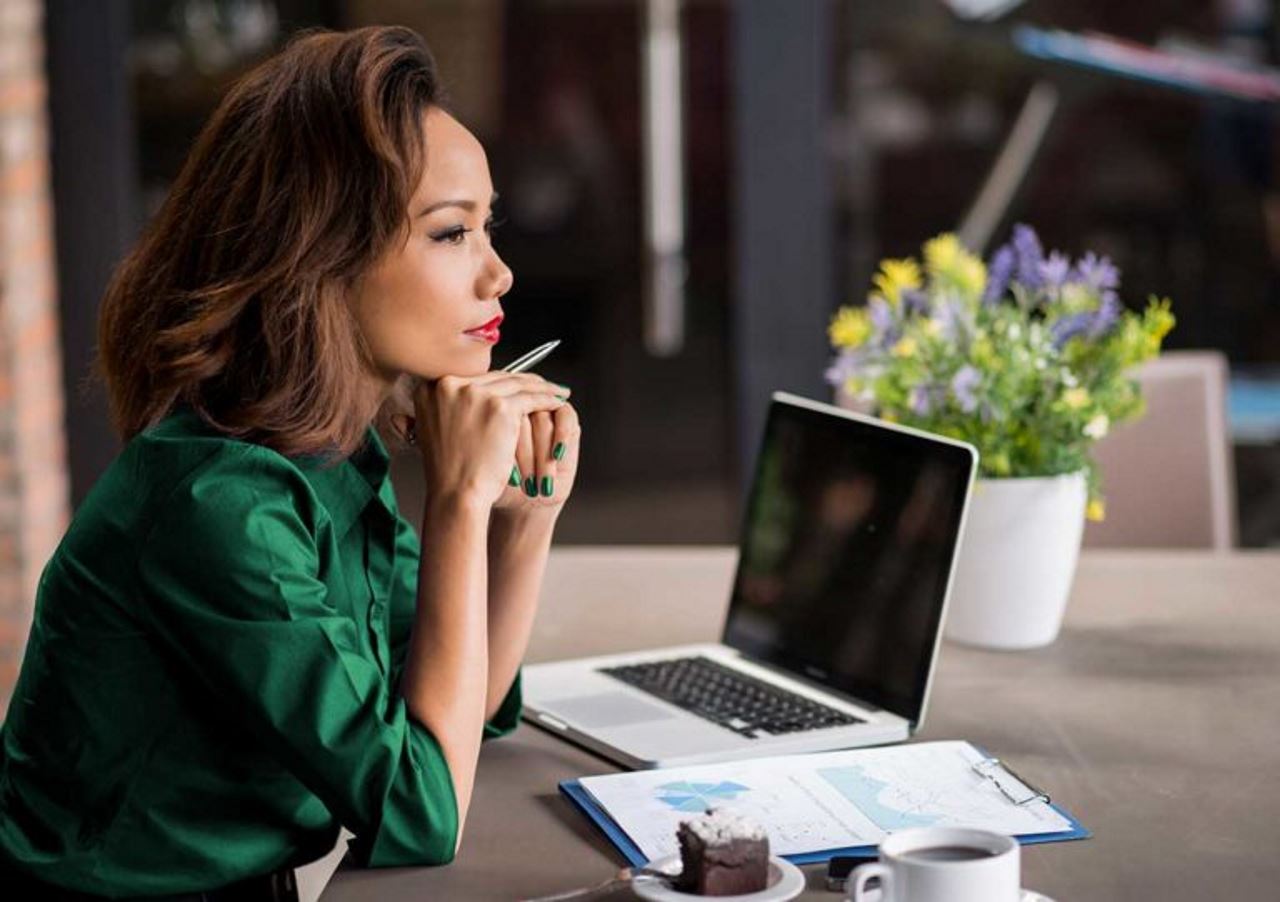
[[543, 429], [517, 382], [567, 437], [499, 383], [524, 459], [527, 402]]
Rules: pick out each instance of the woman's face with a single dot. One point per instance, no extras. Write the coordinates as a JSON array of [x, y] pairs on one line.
[[415, 306]]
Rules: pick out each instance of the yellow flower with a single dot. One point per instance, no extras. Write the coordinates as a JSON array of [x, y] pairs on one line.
[[895, 277], [941, 254], [1096, 511], [932, 328], [906, 347], [947, 260], [971, 275], [1075, 398], [1157, 322], [889, 416], [850, 327]]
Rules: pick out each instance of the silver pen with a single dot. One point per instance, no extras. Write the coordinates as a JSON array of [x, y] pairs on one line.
[[520, 364]]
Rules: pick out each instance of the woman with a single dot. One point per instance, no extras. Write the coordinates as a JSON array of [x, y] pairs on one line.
[[240, 645]]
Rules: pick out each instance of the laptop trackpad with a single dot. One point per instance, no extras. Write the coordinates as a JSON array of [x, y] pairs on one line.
[[607, 709]]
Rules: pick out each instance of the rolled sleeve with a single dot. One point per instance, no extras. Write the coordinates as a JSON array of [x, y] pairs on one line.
[[507, 717], [231, 576]]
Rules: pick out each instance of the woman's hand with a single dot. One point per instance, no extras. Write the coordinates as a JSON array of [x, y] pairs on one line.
[[546, 463], [469, 430]]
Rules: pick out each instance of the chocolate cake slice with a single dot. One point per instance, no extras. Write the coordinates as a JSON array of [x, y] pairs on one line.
[[723, 855]]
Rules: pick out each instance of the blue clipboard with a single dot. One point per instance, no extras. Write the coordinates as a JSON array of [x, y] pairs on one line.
[[574, 790]]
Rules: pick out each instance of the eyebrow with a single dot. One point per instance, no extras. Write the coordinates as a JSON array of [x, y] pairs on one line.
[[468, 205]]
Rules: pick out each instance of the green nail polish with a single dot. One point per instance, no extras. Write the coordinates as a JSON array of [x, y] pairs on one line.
[[515, 477], [558, 451], [531, 487], [562, 397], [548, 486]]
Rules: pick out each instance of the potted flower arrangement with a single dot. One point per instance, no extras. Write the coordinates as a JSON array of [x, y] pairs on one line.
[[1025, 357]]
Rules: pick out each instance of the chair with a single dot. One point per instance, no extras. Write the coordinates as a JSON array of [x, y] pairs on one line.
[[1168, 477]]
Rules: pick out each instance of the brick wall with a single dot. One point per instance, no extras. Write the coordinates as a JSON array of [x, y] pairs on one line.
[[33, 473]]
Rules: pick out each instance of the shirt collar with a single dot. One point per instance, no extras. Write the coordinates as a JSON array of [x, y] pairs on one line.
[[346, 486]]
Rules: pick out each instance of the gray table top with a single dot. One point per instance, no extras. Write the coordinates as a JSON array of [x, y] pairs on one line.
[[1155, 719]]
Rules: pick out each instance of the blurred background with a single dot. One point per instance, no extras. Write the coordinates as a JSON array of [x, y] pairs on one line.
[[691, 189]]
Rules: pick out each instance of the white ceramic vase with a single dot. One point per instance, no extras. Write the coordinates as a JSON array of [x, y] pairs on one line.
[[1016, 561]]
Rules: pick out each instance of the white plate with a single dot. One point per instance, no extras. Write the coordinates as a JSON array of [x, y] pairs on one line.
[[785, 881]]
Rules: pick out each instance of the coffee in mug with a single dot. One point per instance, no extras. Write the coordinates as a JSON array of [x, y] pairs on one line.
[[948, 853], [943, 864]]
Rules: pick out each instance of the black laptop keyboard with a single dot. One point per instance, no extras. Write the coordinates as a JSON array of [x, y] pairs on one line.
[[729, 697]]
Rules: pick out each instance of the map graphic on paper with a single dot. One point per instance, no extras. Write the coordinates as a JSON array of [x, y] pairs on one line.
[[823, 801], [698, 797], [876, 798]]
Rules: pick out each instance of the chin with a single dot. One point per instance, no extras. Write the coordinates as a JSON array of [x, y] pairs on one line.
[[476, 363], [474, 367], [481, 363]]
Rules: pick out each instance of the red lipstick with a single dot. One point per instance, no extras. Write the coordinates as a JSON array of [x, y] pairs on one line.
[[489, 331]]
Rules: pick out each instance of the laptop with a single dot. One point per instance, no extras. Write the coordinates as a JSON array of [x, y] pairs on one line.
[[845, 561]]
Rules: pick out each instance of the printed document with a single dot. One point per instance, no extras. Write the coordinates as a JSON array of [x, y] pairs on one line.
[[817, 802]]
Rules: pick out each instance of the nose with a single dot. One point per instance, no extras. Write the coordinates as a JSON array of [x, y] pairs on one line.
[[497, 279]]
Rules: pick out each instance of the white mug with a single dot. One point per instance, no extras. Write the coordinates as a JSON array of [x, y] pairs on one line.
[[943, 864]]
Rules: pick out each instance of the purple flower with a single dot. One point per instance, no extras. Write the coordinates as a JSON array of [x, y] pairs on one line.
[[1099, 273], [963, 384], [1107, 315], [847, 363], [999, 272], [952, 320], [1089, 324], [915, 302], [1070, 327], [921, 400], [1055, 270], [1029, 254], [883, 327]]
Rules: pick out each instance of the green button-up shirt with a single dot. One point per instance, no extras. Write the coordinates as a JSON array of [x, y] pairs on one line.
[[211, 685]]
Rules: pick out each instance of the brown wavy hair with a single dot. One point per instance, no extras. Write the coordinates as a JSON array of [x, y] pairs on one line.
[[235, 299]]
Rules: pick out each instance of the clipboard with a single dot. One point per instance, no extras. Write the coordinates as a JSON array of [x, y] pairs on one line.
[[1016, 789]]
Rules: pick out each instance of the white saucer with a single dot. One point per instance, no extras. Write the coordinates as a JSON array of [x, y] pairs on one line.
[[1027, 895], [785, 881]]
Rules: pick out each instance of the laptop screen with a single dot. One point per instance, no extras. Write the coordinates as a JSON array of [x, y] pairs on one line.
[[846, 553]]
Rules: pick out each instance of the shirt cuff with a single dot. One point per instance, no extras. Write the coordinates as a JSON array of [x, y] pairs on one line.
[[419, 814], [507, 717]]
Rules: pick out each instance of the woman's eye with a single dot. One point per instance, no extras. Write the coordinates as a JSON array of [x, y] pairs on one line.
[[451, 236], [457, 234]]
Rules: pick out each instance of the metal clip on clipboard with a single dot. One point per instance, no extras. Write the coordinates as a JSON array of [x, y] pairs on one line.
[[1013, 787]]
